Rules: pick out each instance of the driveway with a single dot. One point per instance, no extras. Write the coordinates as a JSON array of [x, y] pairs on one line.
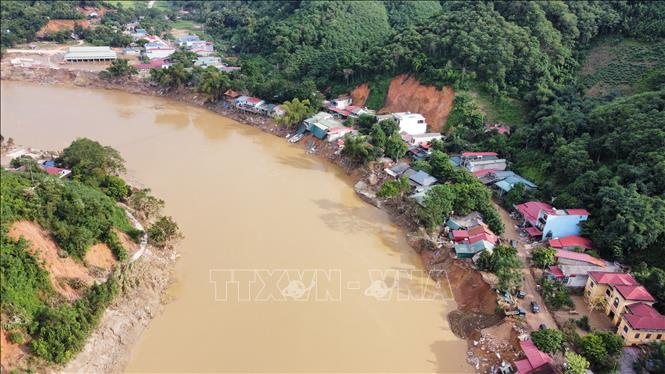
[[534, 320]]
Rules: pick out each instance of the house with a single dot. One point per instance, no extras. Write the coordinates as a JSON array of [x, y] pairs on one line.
[[474, 234], [131, 51], [573, 268], [204, 61], [231, 95], [421, 179], [159, 52], [320, 123], [397, 170], [617, 291], [202, 48], [462, 223], [411, 123], [341, 102], [416, 139], [570, 242], [420, 195], [548, 222], [90, 54], [536, 361], [338, 132], [641, 324], [157, 63], [474, 165], [489, 176], [468, 250], [418, 153], [186, 40], [59, 172], [507, 184], [249, 103]]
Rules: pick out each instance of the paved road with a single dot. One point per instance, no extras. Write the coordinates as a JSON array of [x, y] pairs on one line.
[[534, 320]]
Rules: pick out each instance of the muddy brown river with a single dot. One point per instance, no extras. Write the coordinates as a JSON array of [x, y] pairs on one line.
[[283, 268]]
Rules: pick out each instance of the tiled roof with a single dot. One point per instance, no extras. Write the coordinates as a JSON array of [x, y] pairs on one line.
[[571, 241], [535, 358], [635, 292], [531, 209], [641, 316], [613, 279], [577, 256], [578, 212]]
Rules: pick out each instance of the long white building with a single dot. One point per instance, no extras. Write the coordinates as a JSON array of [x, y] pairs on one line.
[[90, 54]]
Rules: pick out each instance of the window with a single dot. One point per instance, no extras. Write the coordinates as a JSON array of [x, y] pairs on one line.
[[648, 336], [637, 335], [608, 292], [616, 301], [592, 284], [659, 336], [625, 329], [588, 293]]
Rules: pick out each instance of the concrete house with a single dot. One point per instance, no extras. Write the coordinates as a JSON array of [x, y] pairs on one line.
[[485, 164], [416, 139], [573, 268], [320, 123], [468, 250], [421, 179], [641, 324], [411, 123], [617, 290], [187, 40], [549, 222]]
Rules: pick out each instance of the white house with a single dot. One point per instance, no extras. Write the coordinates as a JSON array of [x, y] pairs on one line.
[[424, 138], [159, 52], [411, 123], [491, 164]]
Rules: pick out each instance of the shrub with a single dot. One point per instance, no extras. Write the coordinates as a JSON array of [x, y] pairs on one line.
[[163, 231], [583, 323], [544, 256], [548, 340], [16, 337], [556, 294]]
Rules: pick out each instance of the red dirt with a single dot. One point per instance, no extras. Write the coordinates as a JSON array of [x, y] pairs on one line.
[[406, 94], [59, 268], [127, 242], [359, 94], [100, 255], [56, 25], [10, 353]]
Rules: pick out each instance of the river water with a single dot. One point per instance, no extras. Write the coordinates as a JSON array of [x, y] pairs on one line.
[[323, 282]]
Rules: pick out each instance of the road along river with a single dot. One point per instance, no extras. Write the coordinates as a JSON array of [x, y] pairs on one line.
[[283, 268]]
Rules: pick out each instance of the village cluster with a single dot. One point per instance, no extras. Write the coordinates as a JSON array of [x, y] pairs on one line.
[[153, 51]]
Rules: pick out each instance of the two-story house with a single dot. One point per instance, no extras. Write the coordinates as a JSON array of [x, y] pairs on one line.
[[617, 290], [548, 222], [641, 324]]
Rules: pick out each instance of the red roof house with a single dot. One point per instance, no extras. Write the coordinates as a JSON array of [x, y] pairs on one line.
[[641, 316], [581, 257], [635, 293], [535, 361], [571, 242], [530, 210], [613, 279], [474, 154]]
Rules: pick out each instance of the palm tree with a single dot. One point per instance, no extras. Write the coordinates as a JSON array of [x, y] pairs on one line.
[[294, 112]]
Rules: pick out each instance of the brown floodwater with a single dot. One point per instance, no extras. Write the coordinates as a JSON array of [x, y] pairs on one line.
[[324, 281]]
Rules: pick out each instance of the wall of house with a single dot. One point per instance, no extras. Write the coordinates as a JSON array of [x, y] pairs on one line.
[[411, 126], [634, 337], [561, 226], [593, 290]]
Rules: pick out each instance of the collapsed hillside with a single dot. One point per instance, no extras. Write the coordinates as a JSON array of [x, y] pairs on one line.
[[407, 94]]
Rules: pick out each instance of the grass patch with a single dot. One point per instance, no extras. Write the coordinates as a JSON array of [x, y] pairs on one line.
[[378, 90], [125, 3], [502, 109], [184, 24], [625, 66]]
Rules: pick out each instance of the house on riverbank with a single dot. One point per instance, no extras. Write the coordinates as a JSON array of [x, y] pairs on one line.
[[90, 54], [546, 222]]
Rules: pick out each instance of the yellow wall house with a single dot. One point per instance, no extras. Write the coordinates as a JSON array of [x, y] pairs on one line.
[[628, 304], [641, 324]]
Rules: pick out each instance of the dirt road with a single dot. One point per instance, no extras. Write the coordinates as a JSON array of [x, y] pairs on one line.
[[534, 320]]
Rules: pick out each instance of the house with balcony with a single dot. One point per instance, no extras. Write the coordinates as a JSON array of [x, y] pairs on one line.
[[618, 290], [641, 324], [543, 221]]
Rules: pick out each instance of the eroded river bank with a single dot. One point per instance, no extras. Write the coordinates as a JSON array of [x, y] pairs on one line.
[[249, 201]]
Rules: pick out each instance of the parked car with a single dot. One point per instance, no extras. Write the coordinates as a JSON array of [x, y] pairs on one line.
[[520, 294], [513, 243], [542, 327], [535, 308]]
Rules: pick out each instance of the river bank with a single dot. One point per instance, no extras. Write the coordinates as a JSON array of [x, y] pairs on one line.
[[474, 297]]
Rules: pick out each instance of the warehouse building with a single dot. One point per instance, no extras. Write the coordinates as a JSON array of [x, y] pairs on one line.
[[90, 54]]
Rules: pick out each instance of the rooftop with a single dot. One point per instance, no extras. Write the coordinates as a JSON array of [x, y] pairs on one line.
[[577, 256], [477, 154], [635, 293], [571, 241], [613, 278], [530, 210], [535, 359], [641, 316]]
